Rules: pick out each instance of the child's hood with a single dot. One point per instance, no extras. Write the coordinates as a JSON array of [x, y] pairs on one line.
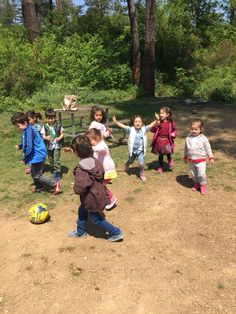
[[90, 165]]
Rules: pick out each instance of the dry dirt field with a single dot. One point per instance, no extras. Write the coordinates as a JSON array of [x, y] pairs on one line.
[[178, 253]]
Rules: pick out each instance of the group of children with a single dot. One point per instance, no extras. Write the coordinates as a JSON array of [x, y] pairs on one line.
[[96, 168]]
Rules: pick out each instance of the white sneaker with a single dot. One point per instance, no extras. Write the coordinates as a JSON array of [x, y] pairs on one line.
[[112, 204]]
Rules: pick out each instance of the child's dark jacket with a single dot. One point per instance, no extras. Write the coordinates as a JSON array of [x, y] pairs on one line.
[[89, 184]]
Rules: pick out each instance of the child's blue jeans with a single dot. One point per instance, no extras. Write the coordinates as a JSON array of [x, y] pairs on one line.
[[96, 219], [140, 157]]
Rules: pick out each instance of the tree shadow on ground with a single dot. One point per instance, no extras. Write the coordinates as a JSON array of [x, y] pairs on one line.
[[185, 181]]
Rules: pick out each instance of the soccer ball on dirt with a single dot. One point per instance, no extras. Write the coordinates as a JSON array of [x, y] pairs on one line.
[[38, 214]]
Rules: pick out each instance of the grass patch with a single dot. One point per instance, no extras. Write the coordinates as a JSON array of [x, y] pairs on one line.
[[69, 249], [229, 188]]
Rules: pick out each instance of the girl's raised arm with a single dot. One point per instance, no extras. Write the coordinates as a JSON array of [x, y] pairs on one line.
[[120, 125], [155, 122]]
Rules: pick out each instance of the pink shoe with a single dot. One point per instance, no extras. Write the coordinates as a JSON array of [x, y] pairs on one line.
[[195, 187], [171, 164], [159, 170], [142, 176], [203, 189], [112, 204]]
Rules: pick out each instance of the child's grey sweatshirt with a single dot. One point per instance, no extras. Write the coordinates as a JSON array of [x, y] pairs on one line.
[[197, 148]]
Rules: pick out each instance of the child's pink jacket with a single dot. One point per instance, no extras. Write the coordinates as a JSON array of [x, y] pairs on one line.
[[172, 129]]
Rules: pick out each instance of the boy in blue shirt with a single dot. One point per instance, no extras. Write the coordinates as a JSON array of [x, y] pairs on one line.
[[34, 151]]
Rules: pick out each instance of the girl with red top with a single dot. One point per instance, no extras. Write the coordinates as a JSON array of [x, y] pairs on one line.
[[163, 138]]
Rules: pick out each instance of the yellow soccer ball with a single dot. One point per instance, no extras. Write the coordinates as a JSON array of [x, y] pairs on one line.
[[38, 214]]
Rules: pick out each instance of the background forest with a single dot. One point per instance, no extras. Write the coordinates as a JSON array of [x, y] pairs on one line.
[[48, 49]]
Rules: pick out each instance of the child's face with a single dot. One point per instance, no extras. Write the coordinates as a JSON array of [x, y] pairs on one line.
[[163, 115], [195, 129], [94, 141], [138, 123], [32, 120], [98, 116], [50, 120], [21, 126]]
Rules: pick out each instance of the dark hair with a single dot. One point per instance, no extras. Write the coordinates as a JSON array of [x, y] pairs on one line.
[[19, 117], [50, 113], [131, 123], [96, 109], [93, 133], [199, 121], [167, 110], [32, 114], [81, 146]]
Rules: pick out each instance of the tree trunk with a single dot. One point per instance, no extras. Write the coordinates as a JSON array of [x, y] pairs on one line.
[[59, 5], [30, 19], [232, 13], [149, 49], [135, 45]]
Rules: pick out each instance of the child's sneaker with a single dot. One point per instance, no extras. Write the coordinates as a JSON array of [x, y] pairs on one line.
[[56, 188], [112, 204], [159, 170], [116, 237], [27, 171], [171, 164], [195, 187], [142, 176], [203, 189], [74, 234]]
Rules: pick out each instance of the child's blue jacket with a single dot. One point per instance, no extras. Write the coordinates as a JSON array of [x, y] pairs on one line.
[[32, 145]]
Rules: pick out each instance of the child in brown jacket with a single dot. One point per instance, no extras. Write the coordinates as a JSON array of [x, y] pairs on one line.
[[89, 184]]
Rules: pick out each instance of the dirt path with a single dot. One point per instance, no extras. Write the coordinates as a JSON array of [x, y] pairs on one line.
[[178, 253]]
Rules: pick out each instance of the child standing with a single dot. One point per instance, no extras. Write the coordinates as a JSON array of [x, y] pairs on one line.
[[102, 154], [163, 139], [98, 120], [33, 120], [52, 133], [90, 185], [137, 142], [34, 153], [197, 150]]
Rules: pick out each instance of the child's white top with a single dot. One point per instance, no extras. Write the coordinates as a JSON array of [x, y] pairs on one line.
[[54, 144], [102, 154], [137, 141], [101, 127], [197, 147]]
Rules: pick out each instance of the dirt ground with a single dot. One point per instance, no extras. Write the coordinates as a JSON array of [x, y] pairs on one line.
[[178, 253]]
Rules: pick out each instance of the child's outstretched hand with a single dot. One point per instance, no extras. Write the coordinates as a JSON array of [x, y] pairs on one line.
[[212, 161], [114, 119], [17, 147]]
